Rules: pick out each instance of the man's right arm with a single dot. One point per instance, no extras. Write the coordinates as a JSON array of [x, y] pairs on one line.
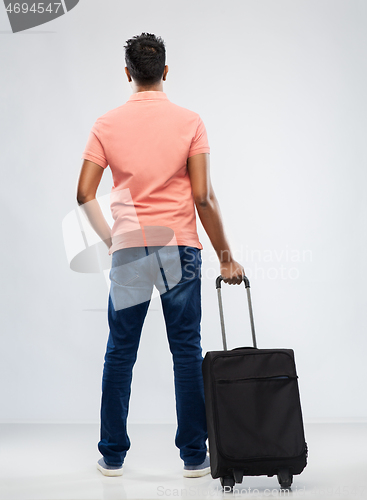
[[209, 213]]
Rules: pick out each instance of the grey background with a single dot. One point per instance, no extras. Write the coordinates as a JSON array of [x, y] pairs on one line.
[[280, 86]]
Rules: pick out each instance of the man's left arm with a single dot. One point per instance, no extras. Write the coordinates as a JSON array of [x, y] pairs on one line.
[[89, 179]]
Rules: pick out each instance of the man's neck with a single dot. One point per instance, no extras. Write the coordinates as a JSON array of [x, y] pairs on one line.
[[142, 88]]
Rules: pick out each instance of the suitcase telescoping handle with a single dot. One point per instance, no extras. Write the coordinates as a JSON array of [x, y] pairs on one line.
[[218, 282]]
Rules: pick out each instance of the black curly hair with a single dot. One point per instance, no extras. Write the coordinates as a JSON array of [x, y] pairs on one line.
[[145, 57]]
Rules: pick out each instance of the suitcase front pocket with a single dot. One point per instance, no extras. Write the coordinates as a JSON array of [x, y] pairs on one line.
[[259, 418]]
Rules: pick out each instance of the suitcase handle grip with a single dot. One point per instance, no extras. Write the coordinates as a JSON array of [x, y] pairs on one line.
[[219, 280], [246, 281]]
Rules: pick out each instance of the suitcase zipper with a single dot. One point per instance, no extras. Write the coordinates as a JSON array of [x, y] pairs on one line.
[[260, 379]]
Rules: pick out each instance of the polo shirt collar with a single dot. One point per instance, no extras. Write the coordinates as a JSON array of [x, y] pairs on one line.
[[148, 95]]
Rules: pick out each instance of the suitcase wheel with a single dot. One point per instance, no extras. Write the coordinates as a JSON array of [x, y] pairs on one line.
[[227, 483], [285, 478]]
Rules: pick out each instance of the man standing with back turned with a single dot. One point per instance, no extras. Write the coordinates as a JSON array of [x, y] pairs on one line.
[[158, 153]]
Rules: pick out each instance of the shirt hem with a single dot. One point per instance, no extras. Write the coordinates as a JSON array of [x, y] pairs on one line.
[[186, 243]]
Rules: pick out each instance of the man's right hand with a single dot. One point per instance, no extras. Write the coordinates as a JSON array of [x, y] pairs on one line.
[[232, 272]]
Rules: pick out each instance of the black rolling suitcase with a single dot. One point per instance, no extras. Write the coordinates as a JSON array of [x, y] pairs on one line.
[[253, 411]]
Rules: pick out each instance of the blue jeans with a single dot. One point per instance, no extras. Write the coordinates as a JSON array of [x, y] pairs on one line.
[[181, 304]]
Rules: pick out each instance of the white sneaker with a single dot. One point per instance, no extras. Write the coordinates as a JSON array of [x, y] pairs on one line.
[[197, 470], [109, 470]]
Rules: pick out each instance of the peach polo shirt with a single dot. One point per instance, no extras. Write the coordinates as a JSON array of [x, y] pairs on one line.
[[146, 143]]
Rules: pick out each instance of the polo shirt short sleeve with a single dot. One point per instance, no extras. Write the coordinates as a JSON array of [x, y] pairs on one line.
[[94, 150], [199, 143], [146, 142]]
